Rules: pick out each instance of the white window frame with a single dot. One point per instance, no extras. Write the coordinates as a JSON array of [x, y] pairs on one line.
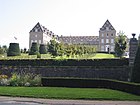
[[102, 40], [102, 35], [35, 41], [39, 41], [107, 40], [102, 48], [112, 48], [36, 30], [112, 40], [107, 28]]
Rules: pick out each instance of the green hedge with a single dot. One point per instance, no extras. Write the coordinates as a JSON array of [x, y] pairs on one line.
[[92, 83], [13, 50], [65, 62]]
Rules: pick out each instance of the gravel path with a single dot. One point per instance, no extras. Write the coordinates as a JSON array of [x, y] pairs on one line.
[[36, 101]]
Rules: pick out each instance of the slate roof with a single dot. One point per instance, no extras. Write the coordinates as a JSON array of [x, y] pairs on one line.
[[41, 28], [89, 40], [107, 26]]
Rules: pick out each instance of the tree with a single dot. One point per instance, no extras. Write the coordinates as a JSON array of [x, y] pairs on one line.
[[135, 77], [53, 48], [13, 50], [34, 49], [42, 49], [120, 44]]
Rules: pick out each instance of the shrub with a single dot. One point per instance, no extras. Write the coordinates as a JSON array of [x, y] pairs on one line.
[[4, 80], [42, 49], [34, 49], [65, 62], [92, 83], [13, 50], [38, 55], [25, 79]]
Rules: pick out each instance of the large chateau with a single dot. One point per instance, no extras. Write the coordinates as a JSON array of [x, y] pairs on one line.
[[104, 42]]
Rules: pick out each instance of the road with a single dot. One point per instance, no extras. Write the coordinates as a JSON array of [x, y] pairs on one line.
[[36, 101]]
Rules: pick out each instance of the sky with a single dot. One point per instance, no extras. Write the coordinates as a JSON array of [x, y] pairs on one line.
[[66, 17]]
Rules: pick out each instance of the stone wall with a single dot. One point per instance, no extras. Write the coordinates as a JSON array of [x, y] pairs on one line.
[[118, 73]]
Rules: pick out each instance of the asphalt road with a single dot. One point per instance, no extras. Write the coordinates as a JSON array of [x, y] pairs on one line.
[[35, 101]]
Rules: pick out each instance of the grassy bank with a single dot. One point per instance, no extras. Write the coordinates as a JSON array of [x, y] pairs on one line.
[[48, 56], [67, 93]]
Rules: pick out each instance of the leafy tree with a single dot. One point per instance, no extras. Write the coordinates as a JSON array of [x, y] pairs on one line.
[[136, 69], [13, 50], [53, 48], [120, 44], [60, 49], [34, 49], [42, 49]]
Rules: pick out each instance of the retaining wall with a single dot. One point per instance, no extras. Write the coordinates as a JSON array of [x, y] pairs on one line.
[[119, 73]]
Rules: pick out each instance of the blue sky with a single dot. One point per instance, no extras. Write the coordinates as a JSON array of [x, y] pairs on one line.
[[66, 17]]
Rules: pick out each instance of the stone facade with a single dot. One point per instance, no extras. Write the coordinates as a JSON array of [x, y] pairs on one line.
[[107, 35], [104, 42], [40, 34]]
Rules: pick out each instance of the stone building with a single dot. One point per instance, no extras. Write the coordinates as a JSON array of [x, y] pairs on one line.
[[40, 34], [107, 35], [104, 42]]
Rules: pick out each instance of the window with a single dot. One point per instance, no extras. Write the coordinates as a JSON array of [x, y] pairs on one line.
[[35, 35], [107, 34], [112, 48], [102, 40], [36, 30], [111, 34], [32, 41], [112, 40], [107, 40], [102, 35], [107, 28], [39, 41], [36, 41], [102, 48]]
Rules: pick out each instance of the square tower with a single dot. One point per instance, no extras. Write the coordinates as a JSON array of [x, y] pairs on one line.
[[107, 35]]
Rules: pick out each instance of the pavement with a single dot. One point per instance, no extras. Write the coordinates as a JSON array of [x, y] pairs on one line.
[[39, 101]]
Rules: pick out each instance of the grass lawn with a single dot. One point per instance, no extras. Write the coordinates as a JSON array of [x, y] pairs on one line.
[[67, 93], [103, 55], [48, 56]]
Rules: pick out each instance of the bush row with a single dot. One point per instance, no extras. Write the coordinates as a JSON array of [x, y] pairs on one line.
[[24, 79], [92, 83], [65, 62]]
